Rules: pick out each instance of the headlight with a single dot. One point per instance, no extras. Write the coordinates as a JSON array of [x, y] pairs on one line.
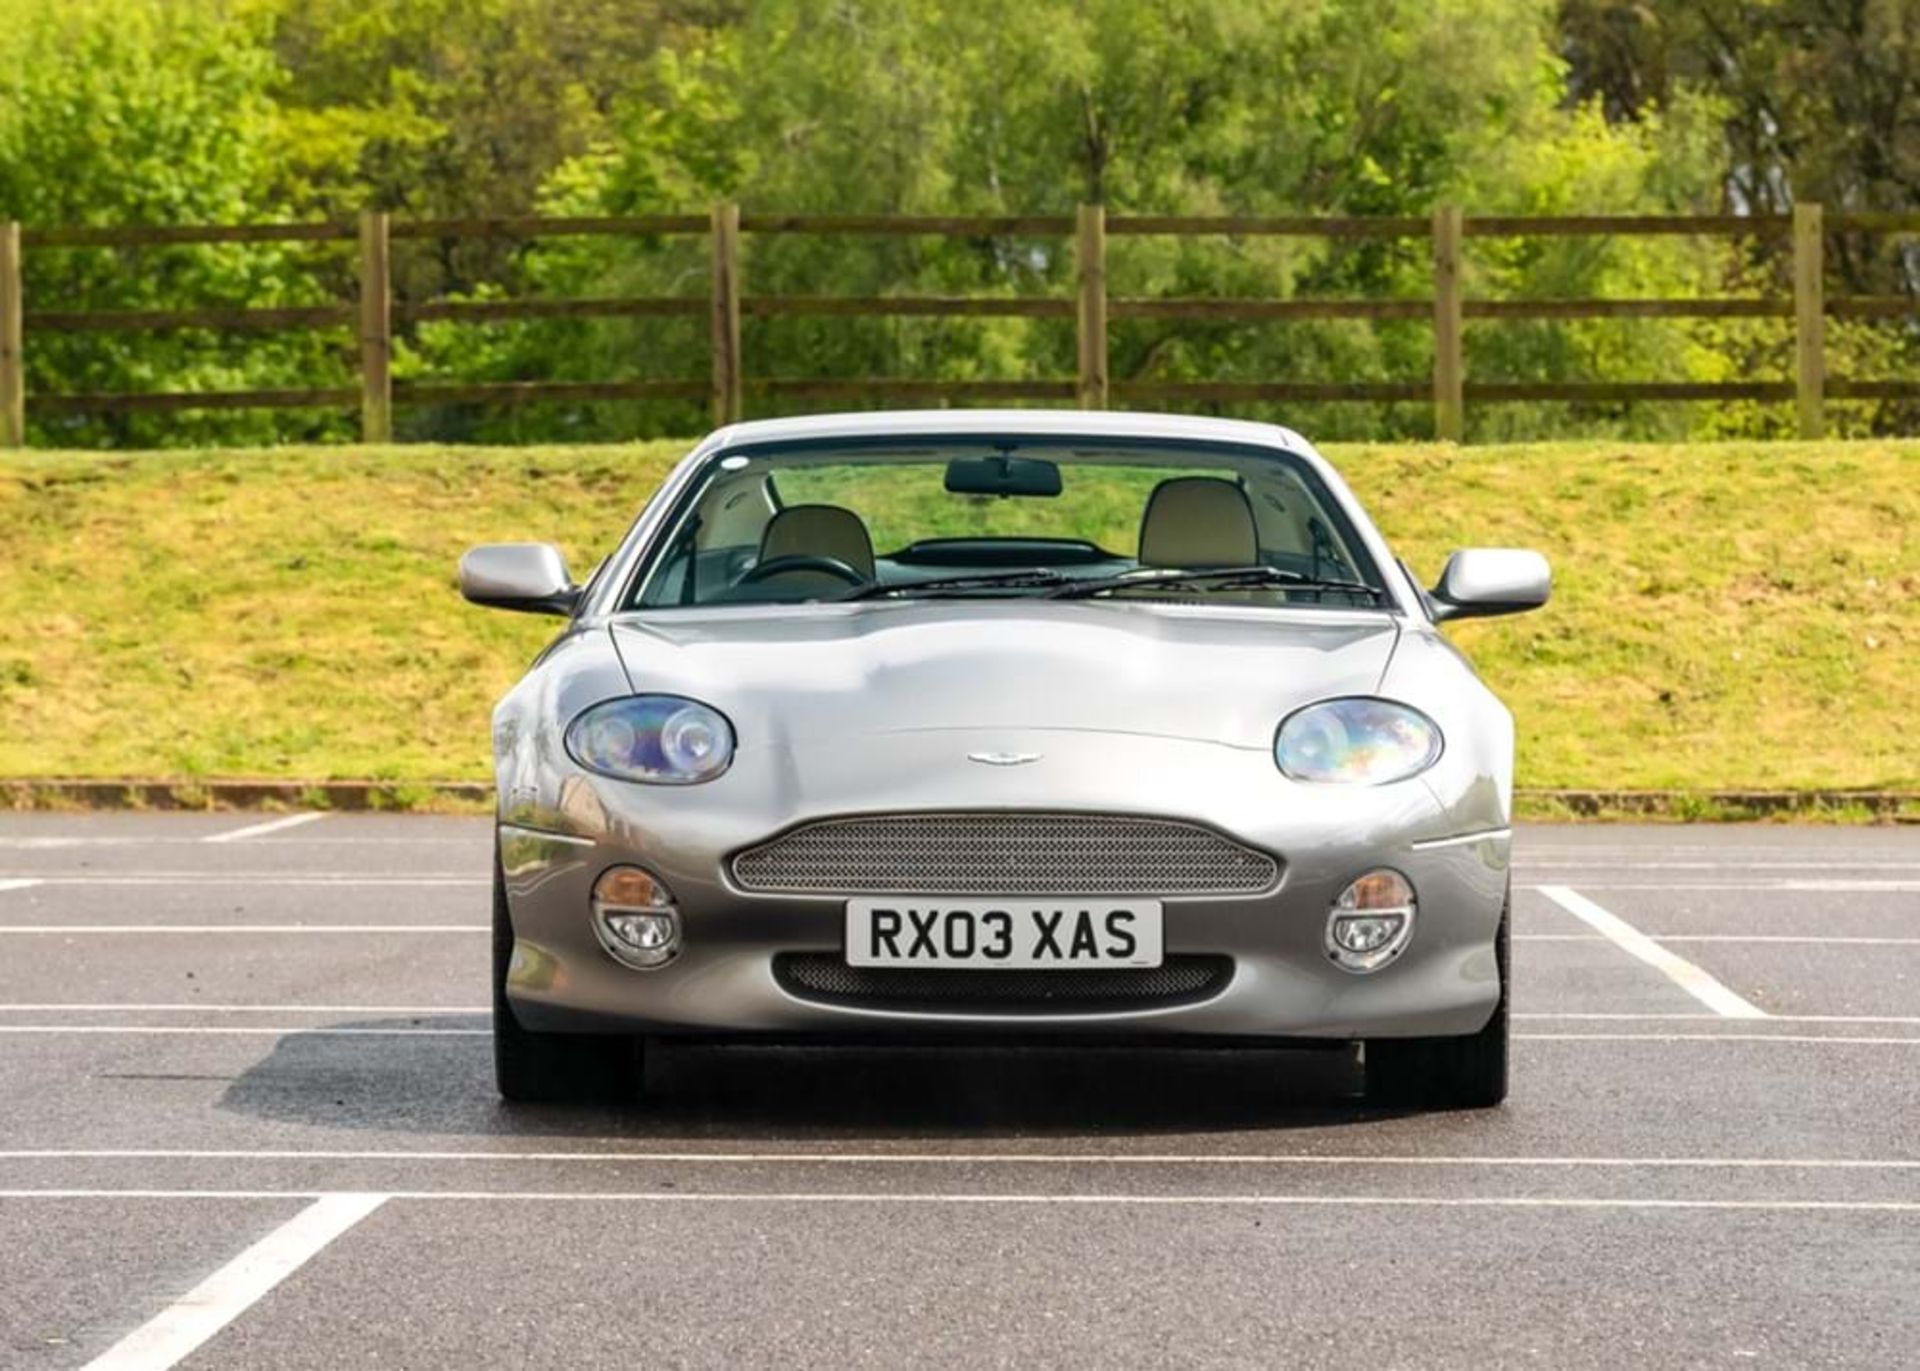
[[1356, 742], [660, 739]]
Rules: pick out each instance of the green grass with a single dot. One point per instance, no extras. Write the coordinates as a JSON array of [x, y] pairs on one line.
[[1731, 616]]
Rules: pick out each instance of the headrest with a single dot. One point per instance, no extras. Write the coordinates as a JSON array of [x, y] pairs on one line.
[[819, 531], [1193, 522]]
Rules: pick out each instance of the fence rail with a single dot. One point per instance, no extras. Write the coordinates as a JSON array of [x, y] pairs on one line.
[[374, 313]]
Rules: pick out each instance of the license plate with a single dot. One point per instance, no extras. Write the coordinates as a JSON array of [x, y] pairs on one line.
[[985, 934]]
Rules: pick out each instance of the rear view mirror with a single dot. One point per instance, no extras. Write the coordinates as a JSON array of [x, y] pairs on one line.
[[1481, 582], [529, 577], [1002, 475]]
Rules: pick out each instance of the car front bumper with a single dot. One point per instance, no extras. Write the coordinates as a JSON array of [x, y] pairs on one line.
[[1445, 833]]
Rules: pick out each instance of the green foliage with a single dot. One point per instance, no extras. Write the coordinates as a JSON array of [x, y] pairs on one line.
[[181, 111], [142, 111], [1815, 98], [445, 108], [1812, 101], [1181, 106], [131, 110], [1575, 162]]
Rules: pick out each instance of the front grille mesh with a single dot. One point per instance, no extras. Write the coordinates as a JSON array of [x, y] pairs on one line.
[[1004, 854], [826, 977]]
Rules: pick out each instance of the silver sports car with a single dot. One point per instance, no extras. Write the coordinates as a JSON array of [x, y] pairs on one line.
[[1003, 726]]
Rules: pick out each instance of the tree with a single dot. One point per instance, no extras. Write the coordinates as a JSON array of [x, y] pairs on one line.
[[1818, 101], [178, 111], [1168, 106], [143, 112]]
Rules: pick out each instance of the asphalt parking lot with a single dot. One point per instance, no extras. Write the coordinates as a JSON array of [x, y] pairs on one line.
[[247, 1119]]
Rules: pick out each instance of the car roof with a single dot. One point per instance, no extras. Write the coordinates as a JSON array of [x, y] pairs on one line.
[[1037, 423], [1078, 423]]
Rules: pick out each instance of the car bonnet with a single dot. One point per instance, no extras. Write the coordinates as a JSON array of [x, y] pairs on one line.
[[819, 674]]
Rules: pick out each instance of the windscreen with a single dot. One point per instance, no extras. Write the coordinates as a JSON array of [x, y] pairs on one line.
[[814, 523]]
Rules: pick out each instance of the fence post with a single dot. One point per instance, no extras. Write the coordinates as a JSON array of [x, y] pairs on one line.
[[376, 330], [725, 327], [1449, 366], [1090, 263], [13, 362], [1809, 320]]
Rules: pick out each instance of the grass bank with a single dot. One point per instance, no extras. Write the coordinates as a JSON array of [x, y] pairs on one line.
[[1734, 616]]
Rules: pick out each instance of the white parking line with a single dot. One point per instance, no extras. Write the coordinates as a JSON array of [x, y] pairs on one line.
[[1701, 1018], [1724, 938], [1793, 887], [292, 879], [217, 929], [1680, 971], [467, 1011], [190, 1008], [1828, 1039], [1781, 938], [278, 1031], [1608, 865], [296, 1031], [912, 1198], [264, 880], [173, 1334], [20, 883], [1204, 1160], [315, 842], [261, 829], [41, 930]]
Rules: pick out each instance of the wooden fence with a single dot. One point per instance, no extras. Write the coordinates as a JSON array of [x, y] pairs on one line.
[[1448, 388]]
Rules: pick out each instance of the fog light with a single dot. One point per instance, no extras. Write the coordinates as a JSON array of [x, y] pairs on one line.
[[635, 919], [1366, 932], [1372, 921]]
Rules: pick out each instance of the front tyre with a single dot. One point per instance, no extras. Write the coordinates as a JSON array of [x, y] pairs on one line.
[[1467, 1072], [552, 1068]]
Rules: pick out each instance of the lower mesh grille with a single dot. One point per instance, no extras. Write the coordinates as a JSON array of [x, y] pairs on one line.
[[826, 977]]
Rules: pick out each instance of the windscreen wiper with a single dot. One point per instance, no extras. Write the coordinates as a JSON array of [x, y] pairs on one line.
[[1211, 579], [1023, 579]]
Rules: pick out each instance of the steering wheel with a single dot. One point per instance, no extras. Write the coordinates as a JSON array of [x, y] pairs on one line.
[[803, 561]]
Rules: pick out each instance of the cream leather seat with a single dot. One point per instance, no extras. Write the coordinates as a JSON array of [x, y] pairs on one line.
[[1196, 522], [818, 531]]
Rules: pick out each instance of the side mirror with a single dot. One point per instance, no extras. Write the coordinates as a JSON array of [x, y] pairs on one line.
[[1481, 582], [529, 577]]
